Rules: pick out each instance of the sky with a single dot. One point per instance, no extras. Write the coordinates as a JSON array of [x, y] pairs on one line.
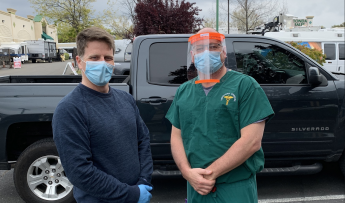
[[325, 12]]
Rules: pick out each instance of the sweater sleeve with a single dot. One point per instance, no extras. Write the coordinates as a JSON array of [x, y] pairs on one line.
[[70, 132], [144, 149]]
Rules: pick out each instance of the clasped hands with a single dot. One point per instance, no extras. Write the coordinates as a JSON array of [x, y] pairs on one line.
[[202, 180]]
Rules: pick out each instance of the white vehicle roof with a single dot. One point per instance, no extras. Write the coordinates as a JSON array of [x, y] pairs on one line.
[[68, 45], [10, 46], [307, 36], [121, 43]]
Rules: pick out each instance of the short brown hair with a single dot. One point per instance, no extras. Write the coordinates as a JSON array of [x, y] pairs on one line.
[[93, 34]]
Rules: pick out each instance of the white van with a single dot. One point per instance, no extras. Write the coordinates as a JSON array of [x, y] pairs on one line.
[[15, 49], [128, 52], [331, 42], [121, 46]]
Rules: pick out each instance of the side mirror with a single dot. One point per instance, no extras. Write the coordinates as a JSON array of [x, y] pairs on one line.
[[315, 78], [117, 50]]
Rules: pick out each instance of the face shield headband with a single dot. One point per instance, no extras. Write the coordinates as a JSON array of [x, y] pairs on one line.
[[204, 55]]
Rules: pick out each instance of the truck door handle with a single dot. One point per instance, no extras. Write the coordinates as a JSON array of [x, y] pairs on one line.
[[153, 100]]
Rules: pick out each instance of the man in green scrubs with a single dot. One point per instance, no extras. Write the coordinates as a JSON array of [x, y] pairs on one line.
[[218, 120]]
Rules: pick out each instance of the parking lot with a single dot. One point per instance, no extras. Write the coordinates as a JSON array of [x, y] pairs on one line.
[[327, 186], [42, 68]]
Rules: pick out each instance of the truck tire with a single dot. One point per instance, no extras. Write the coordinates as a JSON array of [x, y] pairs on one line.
[[33, 60], [39, 176], [50, 60], [342, 163]]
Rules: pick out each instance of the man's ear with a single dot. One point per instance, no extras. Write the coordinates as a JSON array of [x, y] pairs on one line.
[[79, 61]]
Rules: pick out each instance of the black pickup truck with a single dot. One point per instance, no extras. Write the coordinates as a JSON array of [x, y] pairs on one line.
[[307, 130]]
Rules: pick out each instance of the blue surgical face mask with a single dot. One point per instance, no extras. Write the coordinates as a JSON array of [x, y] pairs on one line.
[[215, 63], [98, 72]]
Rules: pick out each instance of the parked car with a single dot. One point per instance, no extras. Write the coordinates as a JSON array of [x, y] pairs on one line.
[[120, 49], [122, 68], [307, 130], [128, 52]]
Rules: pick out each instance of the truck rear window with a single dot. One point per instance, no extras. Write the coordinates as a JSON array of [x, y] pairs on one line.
[[168, 63]]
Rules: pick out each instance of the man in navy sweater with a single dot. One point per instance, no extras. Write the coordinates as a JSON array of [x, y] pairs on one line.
[[103, 143]]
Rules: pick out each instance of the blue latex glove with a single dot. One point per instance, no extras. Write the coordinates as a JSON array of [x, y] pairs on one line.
[[145, 196]]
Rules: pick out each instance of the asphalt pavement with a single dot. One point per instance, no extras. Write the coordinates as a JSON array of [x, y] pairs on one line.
[[42, 68], [328, 186]]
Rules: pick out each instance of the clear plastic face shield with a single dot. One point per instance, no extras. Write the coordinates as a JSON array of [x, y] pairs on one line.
[[206, 56]]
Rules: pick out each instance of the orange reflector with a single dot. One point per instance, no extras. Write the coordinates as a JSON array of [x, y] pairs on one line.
[[205, 81]]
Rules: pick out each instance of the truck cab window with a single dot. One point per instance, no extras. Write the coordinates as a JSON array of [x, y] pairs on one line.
[[269, 64], [330, 51], [167, 63]]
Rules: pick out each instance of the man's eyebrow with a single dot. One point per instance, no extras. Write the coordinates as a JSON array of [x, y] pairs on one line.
[[94, 56]]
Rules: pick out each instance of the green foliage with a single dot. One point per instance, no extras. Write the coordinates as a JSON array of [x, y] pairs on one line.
[[118, 25], [66, 33], [66, 56], [341, 25], [315, 54], [74, 16]]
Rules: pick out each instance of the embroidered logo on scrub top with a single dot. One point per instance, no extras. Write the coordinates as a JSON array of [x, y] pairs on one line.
[[228, 97]]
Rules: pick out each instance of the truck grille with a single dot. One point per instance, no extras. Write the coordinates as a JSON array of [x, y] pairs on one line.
[[34, 55]]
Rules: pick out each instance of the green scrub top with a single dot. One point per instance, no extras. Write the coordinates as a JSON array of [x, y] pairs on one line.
[[211, 124]]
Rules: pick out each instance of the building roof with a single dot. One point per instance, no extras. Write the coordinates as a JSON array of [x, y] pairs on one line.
[[38, 18]]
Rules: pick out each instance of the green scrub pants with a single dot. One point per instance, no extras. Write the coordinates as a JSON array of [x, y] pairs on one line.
[[244, 191]]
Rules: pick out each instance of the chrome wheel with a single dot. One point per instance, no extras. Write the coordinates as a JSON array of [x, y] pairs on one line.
[[47, 180]]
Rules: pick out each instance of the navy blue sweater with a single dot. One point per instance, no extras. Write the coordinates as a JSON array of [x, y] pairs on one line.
[[104, 145]]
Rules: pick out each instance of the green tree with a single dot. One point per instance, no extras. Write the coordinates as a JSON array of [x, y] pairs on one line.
[[73, 14], [315, 54], [341, 25], [118, 25], [249, 14], [66, 33]]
